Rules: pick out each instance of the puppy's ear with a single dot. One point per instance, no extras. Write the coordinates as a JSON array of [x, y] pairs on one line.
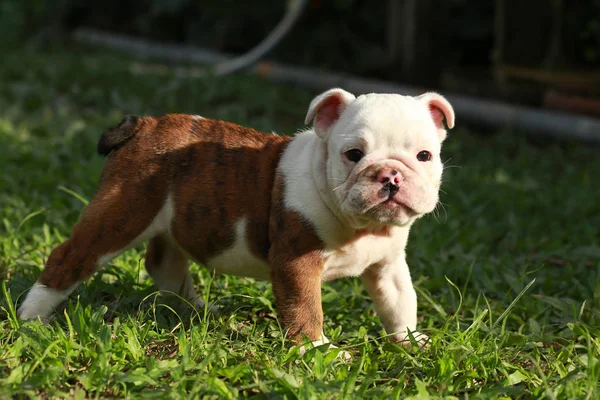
[[326, 109], [440, 110]]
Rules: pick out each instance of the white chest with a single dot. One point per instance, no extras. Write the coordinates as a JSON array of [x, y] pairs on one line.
[[353, 258]]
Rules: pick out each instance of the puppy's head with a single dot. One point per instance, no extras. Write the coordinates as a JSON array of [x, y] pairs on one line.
[[383, 162]]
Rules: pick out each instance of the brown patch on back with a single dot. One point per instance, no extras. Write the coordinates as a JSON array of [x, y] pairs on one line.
[[223, 173], [217, 172], [297, 265]]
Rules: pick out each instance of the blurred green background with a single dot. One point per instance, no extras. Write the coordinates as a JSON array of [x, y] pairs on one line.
[[508, 49]]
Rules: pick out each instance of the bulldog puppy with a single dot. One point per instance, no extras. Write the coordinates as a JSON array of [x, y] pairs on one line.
[[337, 200]]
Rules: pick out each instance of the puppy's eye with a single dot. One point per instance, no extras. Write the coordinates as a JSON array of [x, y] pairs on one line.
[[424, 156], [354, 155]]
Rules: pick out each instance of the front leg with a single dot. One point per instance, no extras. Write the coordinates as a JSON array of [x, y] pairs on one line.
[[296, 260], [391, 289], [297, 289]]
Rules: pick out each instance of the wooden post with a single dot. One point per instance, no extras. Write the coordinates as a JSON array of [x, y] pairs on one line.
[[412, 36]]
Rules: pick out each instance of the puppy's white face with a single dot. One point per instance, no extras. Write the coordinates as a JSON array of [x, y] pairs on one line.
[[383, 155]]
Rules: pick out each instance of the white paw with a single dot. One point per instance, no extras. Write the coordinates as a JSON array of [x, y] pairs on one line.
[[343, 354], [25, 314], [40, 302], [404, 339]]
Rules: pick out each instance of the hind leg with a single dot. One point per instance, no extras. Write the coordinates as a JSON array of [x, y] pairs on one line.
[[168, 267], [112, 223]]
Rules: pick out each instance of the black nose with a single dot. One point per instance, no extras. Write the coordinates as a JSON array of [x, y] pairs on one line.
[[390, 188]]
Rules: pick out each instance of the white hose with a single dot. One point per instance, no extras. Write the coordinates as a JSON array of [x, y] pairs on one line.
[[293, 12], [221, 64]]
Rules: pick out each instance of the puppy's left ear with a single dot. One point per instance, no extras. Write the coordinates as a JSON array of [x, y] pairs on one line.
[[440, 110], [326, 109]]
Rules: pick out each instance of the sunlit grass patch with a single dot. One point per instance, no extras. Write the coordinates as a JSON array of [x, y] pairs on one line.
[[507, 276]]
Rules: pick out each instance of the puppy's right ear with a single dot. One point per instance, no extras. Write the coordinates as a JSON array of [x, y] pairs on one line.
[[326, 109]]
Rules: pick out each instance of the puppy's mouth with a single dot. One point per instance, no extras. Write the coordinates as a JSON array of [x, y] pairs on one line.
[[388, 191], [389, 206], [387, 201], [390, 199]]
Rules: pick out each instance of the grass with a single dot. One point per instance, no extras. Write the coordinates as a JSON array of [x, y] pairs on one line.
[[507, 274]]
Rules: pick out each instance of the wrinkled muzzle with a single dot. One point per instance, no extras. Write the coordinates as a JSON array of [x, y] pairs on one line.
[[388, 193]]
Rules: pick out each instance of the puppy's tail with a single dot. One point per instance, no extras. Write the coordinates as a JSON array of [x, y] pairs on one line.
[[116, 137]]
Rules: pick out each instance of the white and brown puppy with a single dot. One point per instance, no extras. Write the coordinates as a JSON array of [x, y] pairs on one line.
[[337, 200]]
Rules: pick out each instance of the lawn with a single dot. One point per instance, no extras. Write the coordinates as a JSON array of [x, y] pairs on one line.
[[508, 272]]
